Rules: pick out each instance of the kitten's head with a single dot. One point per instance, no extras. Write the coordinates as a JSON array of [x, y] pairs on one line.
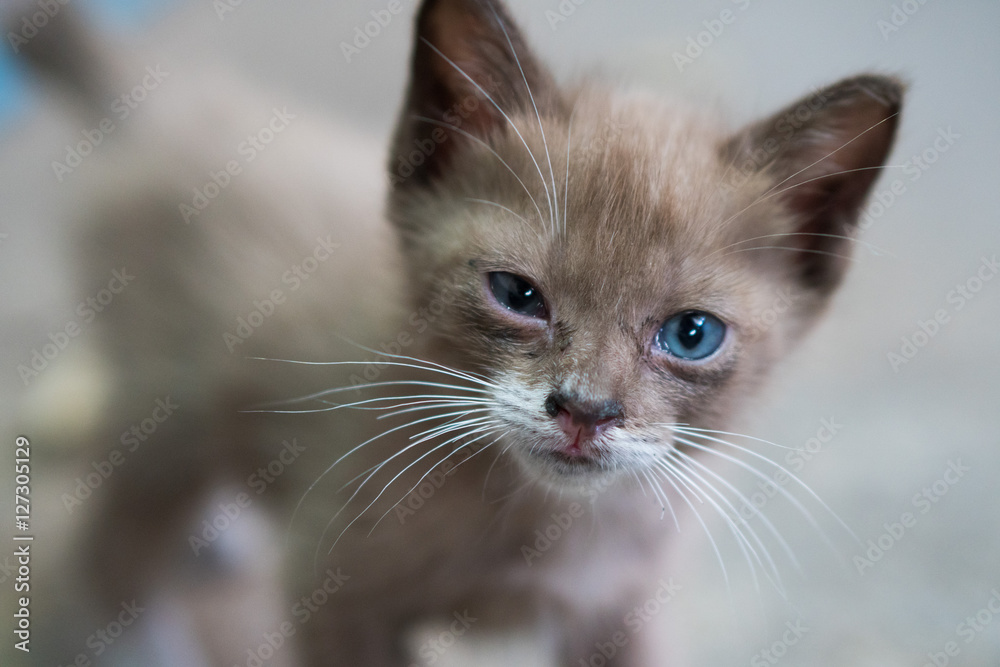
[[615, 264]]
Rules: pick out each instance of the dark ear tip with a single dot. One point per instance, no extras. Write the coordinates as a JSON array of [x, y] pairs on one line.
[[886, 90]]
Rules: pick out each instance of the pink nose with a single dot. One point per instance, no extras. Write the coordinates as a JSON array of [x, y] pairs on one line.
[[574, 427], [577, 417]]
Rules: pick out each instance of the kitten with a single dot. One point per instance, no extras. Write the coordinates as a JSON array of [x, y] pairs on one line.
[[552, 315]]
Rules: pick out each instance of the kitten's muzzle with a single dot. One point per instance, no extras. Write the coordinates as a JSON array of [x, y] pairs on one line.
[[578, 417]]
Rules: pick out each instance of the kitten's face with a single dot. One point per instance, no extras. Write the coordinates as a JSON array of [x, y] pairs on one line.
[[624, 313], [611, 293]]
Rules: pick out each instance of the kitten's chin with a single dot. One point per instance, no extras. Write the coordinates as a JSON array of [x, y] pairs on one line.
[[563, 470]]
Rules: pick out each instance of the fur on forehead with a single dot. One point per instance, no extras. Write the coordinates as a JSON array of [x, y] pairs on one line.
[[629, 174], [617, 192]]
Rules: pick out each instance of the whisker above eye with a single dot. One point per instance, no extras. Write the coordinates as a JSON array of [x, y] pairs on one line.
[[872, 248], [455, 128], [500, 206], [531, 96], [770, 192], [569, 143], [846, 258], [502, 113]]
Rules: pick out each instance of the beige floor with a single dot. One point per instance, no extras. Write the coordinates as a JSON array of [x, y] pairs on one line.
[[900, 430]]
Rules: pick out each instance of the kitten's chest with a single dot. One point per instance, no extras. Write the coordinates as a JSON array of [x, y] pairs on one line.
[[590, 555]]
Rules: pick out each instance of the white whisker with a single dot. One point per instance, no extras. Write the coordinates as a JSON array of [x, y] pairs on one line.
[[569, 142], [693, 431], [741, 540], [453, 404], [323, 474], [541, 129], [472, 137], [767, 522], [458, 426], [669, 475], [492, 429], [426, 364], [780, 467], [502, 113], [791, 498], [776, 581], [871, 248], [500, 206], [767, 193]]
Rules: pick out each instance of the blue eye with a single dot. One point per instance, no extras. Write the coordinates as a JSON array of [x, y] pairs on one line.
[[691, 335], [517, 294]]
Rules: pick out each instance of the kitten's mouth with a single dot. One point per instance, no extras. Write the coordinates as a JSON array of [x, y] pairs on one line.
[[577, 457]]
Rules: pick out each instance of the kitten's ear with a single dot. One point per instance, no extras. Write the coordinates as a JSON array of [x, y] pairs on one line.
[[469, 62], [820, 157]]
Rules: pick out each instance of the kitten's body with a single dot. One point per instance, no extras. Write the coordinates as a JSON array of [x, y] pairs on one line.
[[642, 232]]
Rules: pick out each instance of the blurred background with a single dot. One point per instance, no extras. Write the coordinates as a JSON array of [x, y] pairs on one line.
[[895, 397]]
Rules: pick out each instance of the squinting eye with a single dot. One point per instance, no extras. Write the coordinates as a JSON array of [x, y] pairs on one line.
[[691, 335], [517, 294]]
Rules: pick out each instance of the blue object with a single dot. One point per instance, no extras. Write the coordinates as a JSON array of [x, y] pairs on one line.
[[15, 95]]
